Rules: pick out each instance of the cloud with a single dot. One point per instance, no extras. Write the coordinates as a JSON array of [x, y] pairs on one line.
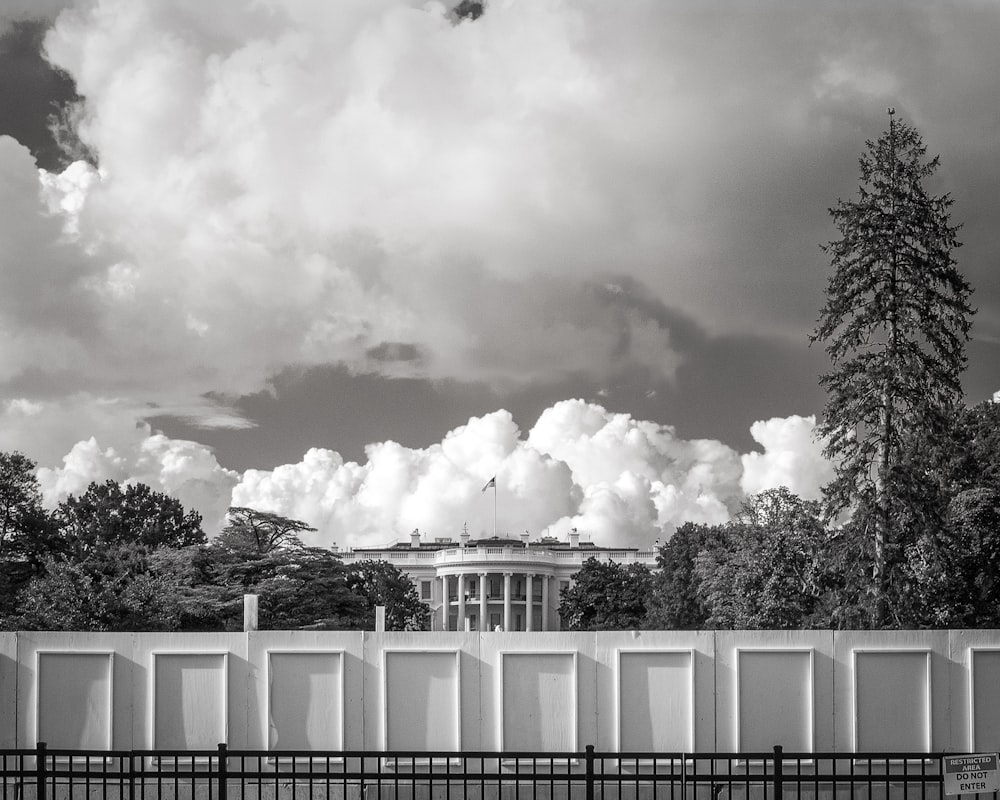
[[282, 186], [14, 11], [618, 480], [373, 185], [185, 470], [792, 457]]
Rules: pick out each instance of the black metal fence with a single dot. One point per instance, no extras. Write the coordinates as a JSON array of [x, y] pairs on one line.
[[223, 774]]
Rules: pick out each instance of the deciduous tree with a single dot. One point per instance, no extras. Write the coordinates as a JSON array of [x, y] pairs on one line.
[[769, 570], [675, 602], [109, 513], [380, 583], [606, 596]]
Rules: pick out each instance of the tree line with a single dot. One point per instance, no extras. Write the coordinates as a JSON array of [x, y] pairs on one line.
[[126, 558], [907, 534]]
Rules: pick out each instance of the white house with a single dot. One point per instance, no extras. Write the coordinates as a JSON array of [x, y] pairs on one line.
[[494, 583]]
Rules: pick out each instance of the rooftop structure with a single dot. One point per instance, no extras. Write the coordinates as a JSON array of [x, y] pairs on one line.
[[496, 583]]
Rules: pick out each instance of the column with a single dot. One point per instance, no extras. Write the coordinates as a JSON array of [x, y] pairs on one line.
[[445, 608], [545, 602], [460, 623], [506, 601], [529, 605], [484, 620]]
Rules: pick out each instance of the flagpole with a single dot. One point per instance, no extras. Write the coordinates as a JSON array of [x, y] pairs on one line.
[[494, 508]]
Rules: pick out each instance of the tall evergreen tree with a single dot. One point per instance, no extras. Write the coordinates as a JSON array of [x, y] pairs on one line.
[[895, 324]]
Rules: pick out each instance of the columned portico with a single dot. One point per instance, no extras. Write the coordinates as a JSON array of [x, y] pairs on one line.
[[508, 571]]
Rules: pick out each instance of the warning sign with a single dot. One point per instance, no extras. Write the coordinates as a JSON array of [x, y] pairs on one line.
[[971, 774]]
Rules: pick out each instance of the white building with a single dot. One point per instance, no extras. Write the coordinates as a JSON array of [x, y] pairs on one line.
[[494, 583]]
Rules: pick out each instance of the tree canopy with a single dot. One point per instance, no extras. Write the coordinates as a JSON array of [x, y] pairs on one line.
[[605, 596], [380, 583], [109, 513]]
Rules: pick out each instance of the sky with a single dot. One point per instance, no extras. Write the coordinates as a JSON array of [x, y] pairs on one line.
[[348, 261]]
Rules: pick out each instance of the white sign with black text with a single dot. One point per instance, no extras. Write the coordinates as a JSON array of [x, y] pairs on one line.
[[971, 774]]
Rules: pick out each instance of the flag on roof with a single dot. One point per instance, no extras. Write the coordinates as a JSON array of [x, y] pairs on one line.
[[491, 482]]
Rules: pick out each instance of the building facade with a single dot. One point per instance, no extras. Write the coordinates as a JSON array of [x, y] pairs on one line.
[[496, 583]]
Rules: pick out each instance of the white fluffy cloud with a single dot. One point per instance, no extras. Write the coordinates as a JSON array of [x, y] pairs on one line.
[[618, 480], [118, 449], [792, 457], [181, 469]]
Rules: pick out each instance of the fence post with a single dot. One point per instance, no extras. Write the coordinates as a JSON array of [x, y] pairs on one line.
[[778, 780], [40, 771], [223, 771], [590, 772]]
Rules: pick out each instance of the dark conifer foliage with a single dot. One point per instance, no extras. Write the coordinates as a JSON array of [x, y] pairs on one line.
[[895, 325]]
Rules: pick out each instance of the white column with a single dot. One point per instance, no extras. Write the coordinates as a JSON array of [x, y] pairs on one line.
[[484, 621], [529, 604], [545, 602], [460, 625], [506, 601], [444, 603]]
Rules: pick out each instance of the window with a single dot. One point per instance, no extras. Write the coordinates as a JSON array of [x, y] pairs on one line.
[[425, 590]]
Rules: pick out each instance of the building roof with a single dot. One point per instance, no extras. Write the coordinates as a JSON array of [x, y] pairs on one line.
[[543, 543]]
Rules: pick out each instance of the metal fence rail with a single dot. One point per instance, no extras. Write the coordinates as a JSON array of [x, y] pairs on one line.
[[222, 774]]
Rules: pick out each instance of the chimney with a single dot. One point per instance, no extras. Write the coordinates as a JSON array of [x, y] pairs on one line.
[[465, 535], [524, 538], [415, 538], [574, 538]]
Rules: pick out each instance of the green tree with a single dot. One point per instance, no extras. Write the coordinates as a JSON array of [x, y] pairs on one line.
[[675, 602], [108, 513], [957, 569], [105, 576], [606, 596], [256, 531], [111, 590], [299, 587], [380, 583], [27, 533], [769, 573], [20, 497], [895, 324]]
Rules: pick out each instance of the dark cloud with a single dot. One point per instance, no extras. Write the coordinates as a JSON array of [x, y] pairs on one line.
[[395, 351], [723, 385], [31, 91]]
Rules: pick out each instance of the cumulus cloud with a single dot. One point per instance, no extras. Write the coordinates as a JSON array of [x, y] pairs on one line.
[[792, 457], [185, 470], [618, 480]]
